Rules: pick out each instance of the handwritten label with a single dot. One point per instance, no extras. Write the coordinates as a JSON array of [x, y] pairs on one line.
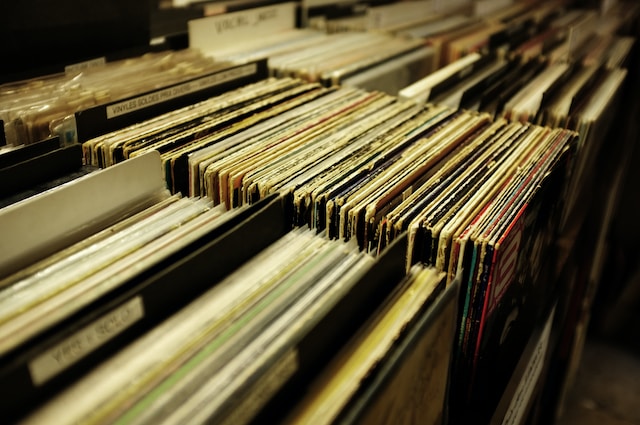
[[163, 95], [84, 341], [234, 22], [226, 30]]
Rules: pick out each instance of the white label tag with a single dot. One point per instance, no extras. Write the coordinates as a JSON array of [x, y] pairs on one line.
[[84, 341], [159, 96], [228, 29]]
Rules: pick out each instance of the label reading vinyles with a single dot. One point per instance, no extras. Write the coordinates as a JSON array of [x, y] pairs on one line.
[[84, 341], [163, 95]]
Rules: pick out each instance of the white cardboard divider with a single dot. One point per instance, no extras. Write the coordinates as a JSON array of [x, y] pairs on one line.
[[420, 90], [43, 224], [221, 31]]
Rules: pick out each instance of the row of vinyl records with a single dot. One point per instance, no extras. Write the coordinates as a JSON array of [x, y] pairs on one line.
[[224, 355], [88, 100], [243, 323], [285, 134], [386, 186], [472, 197]]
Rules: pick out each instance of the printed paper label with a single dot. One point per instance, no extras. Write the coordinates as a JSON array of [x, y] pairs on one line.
[[84, 341], [213, 33], [159, 96]]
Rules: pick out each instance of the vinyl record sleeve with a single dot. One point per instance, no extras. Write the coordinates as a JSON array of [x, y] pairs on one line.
[[391, 394], [321, 344], [530, 198], [360, 358], [158, 296]]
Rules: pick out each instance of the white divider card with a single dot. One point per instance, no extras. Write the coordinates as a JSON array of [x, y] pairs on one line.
[[216, 32], [38, 226], [396, 14]]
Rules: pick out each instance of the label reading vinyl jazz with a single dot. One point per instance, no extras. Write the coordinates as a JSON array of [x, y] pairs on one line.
[[84, 341]]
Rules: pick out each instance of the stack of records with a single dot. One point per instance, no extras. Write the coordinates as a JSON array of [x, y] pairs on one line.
[[422, 223], [36, 109], [368, 60], [226, 356], [478, 198], [96, 273], [452, 29], [344, 173], [394, 367], [578, 89]]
